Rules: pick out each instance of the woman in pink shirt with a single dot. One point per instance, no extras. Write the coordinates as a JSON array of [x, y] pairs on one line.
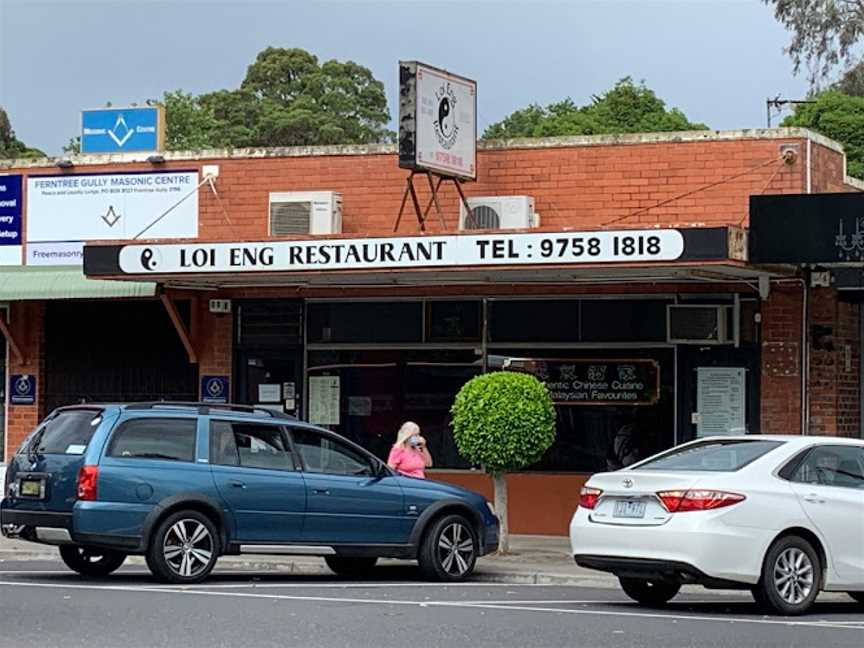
[[409, 455]]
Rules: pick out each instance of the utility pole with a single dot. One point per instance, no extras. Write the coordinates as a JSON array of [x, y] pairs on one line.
[[778, 104]]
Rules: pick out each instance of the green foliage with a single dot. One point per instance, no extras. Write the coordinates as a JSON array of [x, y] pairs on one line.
[[10, 146], [503, 421], [626, 108], [286, 99], [839, 117]]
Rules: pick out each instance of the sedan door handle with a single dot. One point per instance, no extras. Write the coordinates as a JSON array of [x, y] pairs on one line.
[[814, 499], [238, 484], [320, 491]]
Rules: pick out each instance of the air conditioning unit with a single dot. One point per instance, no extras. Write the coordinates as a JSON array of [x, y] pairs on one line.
[[305, 212], [498, 212], [701, 324]]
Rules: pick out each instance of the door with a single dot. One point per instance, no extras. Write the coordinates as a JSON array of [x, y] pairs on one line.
[[716, 386], [348, 500], [257, 477], [271, 379], [829, 484]]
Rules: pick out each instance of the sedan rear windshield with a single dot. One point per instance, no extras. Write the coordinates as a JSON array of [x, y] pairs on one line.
[[712, 456], [67, 433]]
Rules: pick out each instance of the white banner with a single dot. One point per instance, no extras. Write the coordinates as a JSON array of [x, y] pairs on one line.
[[73, 208], [405, 252], [446, 123]]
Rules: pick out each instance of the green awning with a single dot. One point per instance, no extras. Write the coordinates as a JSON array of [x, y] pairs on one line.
[[34, 283]]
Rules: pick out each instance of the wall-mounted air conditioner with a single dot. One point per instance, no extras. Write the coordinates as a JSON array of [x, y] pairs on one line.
[[305, 212], [701, 324], [498, 212]]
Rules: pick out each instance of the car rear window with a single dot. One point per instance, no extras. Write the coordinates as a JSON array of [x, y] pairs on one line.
[[67, 433], [170, 439], [712, 456]]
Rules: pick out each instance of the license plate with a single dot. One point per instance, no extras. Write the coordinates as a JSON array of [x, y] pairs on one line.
[[31, 488], [629, 509]]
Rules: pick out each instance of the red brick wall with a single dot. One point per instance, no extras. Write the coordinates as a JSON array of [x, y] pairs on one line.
[[211, 339], [835, 407], [828, 172], [26, 323], [574, 186], [781, 361]]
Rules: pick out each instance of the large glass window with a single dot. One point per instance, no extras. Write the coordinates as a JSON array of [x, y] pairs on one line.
[[379, 390], [355, 322], [170, 439], [613, 407]]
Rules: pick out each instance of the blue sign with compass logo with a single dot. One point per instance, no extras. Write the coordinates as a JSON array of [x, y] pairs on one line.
[[22, 389], [215, 389], [121, 130]]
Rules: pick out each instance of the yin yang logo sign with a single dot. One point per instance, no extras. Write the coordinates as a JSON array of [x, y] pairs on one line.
[[446, 127]]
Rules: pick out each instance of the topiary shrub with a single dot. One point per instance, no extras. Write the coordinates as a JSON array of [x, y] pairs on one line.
[[503, 421]]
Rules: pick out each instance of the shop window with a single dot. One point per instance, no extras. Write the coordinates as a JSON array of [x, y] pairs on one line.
[[365, 322], [613, 407], [624, 320], [534, 321], [270, 323], [453, 321]]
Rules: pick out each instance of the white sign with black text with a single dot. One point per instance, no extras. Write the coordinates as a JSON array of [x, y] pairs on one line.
[[63, 211], [405, 252]]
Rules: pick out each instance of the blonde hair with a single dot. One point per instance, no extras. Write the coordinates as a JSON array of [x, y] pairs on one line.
[[408, 429]]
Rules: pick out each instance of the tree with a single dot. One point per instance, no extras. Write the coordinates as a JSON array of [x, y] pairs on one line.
[[824, 32], [626, 108], [286, 99], [10, 146], [840, 117], [503, 421], [852, 81]]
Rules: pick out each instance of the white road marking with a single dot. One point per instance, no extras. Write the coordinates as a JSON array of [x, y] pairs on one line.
[[311, 584], [823, 625]]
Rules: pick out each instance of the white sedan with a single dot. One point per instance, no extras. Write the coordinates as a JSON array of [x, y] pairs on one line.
[[782, 516]]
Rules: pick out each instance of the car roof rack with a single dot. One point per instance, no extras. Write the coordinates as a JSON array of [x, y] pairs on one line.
[[205, 408]]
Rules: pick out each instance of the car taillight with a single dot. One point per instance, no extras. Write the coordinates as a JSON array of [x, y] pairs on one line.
[[588, 497], [87, 478], [697, 500]]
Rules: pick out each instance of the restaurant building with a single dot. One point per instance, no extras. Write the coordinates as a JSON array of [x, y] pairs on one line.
[[616, 269]]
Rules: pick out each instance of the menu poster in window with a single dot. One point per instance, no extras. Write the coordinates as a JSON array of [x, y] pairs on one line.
[[721, 401], [593, 381], [324, 400], [269, 393]]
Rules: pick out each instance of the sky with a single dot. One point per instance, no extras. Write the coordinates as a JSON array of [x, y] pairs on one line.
[[717, 60]]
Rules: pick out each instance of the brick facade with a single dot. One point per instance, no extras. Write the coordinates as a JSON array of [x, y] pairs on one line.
[[26, 323], [681, 180]]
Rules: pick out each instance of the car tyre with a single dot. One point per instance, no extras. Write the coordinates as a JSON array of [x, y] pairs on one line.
[[858, 596], [89, 561], [652, 593], [350, 567], [184, 548], [791, 577], [449, 549]]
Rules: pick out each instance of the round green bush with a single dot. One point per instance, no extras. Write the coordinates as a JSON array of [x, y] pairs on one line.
[[503, 421]]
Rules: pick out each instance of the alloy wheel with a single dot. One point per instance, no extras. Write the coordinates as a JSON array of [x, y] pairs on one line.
[[188, 548], [793, 575], [455, 549]]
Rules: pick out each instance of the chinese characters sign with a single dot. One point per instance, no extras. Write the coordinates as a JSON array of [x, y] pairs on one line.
[[594, 382]]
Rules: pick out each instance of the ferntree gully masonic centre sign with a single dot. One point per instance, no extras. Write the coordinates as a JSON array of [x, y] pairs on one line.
[[390, 253]]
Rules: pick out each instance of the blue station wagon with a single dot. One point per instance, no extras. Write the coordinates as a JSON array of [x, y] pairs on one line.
[[183, 483]]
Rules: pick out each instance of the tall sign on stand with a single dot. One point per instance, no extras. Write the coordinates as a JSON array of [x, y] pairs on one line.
[[437, 133]]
